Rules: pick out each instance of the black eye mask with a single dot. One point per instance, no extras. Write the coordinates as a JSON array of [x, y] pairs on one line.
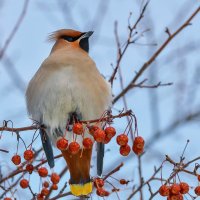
[[84, 44], [69, 38]]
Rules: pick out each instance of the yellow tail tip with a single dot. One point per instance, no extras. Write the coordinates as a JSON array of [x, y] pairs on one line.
[[79, 189]]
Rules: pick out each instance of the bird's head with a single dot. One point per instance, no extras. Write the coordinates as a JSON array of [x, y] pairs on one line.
[[70, 38]]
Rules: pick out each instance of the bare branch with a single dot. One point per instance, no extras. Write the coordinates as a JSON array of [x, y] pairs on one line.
[[155, 55]]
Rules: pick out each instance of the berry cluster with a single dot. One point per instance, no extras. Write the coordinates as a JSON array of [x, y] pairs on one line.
[[55, 178], [100, 191], [103, 136], [28, 156], [42, 172], [176, 191]]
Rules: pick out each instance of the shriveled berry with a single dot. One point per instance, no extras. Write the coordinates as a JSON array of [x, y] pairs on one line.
[[92, 129], [54, 187], [62, 144], [175, 188], [110, 132], [29, 168], [125, 150], [45, 191], [16, 159], [55, 178], [28, 154], [139, 142], [115, 190], [99, 135], [87, 143], [78, 128], [46, 184], [197, 190], [122, 139], [164, 191], [98, 182], [184, 187], [123, 181], [43, 172], [74, 147], [24, 183]]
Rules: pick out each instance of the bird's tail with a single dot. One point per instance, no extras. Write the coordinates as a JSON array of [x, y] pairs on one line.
[[79, 167]]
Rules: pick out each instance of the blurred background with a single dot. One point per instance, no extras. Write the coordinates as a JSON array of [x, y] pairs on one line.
[[167, 116]]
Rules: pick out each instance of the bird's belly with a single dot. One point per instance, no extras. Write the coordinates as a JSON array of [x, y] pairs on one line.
[[63, 94]]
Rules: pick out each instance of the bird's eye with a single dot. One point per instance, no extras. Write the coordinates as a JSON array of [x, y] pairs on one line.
[[68, 38]]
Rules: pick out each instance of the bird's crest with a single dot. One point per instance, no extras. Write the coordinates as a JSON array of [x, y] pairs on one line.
[[62, 33]]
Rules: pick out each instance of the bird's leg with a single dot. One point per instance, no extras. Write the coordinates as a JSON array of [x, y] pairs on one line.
[[73, 118]]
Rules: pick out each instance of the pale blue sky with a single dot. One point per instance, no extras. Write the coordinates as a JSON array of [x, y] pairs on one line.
[[29, 48]]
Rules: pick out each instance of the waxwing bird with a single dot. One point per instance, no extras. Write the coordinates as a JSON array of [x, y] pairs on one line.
[[68, 86]]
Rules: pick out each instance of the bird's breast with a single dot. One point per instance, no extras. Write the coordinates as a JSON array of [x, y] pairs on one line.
[[53, 95]]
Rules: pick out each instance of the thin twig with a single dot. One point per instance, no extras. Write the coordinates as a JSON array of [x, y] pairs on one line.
[[155, 55], [15, 29], [33, 127]]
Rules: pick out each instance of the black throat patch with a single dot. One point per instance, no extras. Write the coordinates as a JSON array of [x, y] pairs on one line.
[[84, 44]]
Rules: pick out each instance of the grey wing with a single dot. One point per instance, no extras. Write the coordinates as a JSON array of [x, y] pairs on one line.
[[47, 146]]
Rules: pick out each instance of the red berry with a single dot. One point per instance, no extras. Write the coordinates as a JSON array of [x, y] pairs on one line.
[[62, 144], [45, 192], [100, 192], [110, 132], [164, 191], [106, 193], [106, 140], [29, 168], [184, 188], [122, 139], [125, 150], [40, 197], [98, 182], [176, 197], [7, 198], [55, 178], [136, 150], [28, 155], [24, 183], [139, 142], [46, 184], [78, 128], [198, 177], [99, 135], [16, 159], [175, 188], [43, 172], [74, 147], [123, 182], [87, 143], [197, 190], [92, 129], [54, 187]]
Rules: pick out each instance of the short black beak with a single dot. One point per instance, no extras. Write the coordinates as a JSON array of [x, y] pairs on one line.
[[86, 35]]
